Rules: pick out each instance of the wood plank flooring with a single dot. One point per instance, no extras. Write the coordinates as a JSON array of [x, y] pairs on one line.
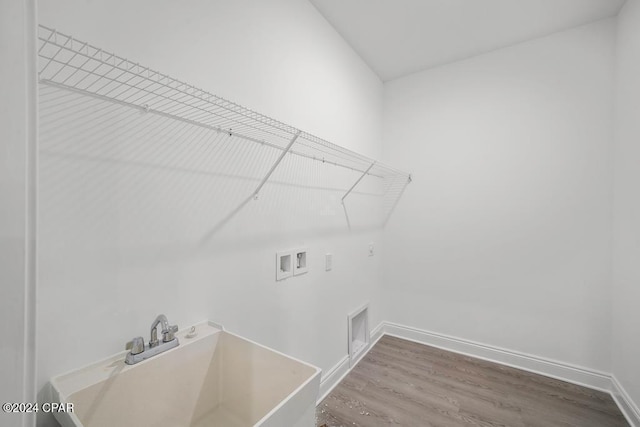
[[401, 383]]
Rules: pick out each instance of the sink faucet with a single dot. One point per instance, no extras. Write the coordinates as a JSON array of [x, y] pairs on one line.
[[168, 332], [140, 352]]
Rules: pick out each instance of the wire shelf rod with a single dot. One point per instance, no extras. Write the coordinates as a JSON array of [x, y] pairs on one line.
[[144, 91], [213, 128], [196, 92], [155, 94], [93, 71]]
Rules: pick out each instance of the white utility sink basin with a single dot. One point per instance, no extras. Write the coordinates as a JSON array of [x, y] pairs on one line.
[[214, 379]]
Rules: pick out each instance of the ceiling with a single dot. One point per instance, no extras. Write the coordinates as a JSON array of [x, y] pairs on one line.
[[400, 37]]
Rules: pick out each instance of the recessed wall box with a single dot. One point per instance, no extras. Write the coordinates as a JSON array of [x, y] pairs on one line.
[[300, 261], [358, 334], [284, 265]]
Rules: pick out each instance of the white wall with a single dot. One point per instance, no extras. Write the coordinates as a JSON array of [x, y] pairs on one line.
[[127, 216], [17, 210], [626, 248], [504, 236]]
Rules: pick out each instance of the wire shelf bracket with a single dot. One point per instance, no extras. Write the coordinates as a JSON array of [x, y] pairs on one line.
[[275, 165], [355, 184]]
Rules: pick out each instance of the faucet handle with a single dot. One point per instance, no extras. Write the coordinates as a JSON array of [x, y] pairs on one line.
[[169, 334], [136, 345]]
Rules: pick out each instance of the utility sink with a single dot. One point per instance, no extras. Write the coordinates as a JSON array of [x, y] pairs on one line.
[[213, 379]]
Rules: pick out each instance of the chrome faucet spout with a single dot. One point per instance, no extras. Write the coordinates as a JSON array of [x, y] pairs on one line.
[[168, 332], [160, 320]]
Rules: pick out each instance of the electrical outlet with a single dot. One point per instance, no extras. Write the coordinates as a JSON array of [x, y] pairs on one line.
[[328, 262]]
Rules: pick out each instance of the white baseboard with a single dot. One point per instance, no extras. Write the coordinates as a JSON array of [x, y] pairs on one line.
[[626, 405], [550, 368], [333, 377], [538, 365], [377, 333], [340, 370]]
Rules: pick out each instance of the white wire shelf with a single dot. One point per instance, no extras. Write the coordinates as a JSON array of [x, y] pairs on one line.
[[78, 66]]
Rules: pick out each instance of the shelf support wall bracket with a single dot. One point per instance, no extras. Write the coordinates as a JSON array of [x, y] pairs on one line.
[[357, 182], [275, 165]]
